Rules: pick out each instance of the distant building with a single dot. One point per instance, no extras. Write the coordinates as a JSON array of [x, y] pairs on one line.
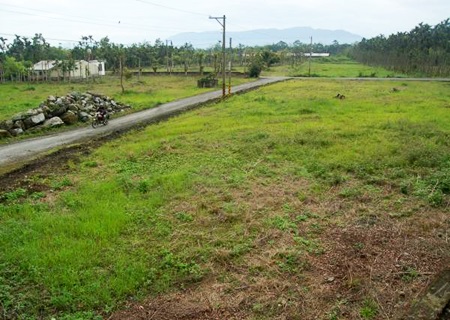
[[316, 54], [50, 69]]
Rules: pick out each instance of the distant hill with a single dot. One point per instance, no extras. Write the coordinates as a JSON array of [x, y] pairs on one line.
[[266, 36]]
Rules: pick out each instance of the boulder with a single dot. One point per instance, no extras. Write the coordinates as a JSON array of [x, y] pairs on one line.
[[16, 131], [34, 120], [89, 108], [4, 134], [74, 108], [84, 116], [76, 95], [6, 125], [19, 116], [69, 118], [57, 110], [19, 125], [31, 112], [53, 122], [47, 112]]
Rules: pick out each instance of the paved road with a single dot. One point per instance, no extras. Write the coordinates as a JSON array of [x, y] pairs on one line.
[[24, 151]]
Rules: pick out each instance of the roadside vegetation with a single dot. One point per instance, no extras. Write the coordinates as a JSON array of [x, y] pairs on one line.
[[283, 202], [147, 92]]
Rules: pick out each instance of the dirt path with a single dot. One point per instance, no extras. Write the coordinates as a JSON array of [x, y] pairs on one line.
[[27, 150]]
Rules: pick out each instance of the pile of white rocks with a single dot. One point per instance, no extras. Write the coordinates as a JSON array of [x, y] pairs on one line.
[[59, 111]]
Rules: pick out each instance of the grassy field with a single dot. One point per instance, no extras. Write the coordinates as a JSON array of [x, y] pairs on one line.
[[143, 94], [331, 67], [281, 203], [151, 91]]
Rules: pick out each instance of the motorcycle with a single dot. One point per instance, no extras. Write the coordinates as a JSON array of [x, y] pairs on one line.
[[99, 119]]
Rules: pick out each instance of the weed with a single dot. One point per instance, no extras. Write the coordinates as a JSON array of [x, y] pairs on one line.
[[37, 195], [369, 310], [143, 186], [14, 195], [59, 184], [301, 218], [90, 164], [282, 223], [290, 262], [353, 192], [409, 274], [184, 217]]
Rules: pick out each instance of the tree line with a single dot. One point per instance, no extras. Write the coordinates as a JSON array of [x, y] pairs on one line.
[[18, 56], [425, 50]]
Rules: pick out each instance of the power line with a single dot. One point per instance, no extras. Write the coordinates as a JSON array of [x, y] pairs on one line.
[[108, 23], [45, 11], [171, 8], [55, 18], [89, 20]]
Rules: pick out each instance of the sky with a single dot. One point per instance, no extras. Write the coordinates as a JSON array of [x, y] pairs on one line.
[[64, 22]]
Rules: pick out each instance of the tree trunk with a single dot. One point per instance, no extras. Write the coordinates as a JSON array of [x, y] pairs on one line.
[[121, 74], [139, 73]]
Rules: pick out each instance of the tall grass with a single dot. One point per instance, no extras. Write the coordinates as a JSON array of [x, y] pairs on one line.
[[165, 206]]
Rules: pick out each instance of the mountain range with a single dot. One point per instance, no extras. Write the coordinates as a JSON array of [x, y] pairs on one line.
[[262, 37]]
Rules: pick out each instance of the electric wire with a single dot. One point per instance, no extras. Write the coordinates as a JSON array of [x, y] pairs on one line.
[[121, 24], [88, 20], [171, 8]]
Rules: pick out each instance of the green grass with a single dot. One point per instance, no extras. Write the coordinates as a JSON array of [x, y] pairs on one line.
[[162, 208], [146, 93], [331, 67]]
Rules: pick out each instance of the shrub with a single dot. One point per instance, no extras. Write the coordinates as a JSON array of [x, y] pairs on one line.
[[254, 69]]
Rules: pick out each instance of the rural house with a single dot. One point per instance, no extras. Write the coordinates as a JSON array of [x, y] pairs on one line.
[[80, 69]]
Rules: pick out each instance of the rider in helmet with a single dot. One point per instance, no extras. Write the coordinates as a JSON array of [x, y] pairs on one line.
[[102, 112]]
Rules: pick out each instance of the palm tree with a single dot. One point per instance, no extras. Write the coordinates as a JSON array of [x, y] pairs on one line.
[[200, 56]]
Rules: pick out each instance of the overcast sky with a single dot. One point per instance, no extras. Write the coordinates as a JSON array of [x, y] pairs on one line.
[[135, 21]]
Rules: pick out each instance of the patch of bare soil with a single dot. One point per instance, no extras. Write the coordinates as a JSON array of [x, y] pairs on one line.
[[390, 263], [366, 266]]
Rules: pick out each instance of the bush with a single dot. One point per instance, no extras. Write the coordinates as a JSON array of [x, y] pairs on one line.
[[255, 69]]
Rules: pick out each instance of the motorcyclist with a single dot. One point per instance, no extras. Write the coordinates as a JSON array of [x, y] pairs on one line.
[[102, 113]]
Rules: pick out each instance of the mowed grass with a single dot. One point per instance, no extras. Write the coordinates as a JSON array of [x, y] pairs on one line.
[[232, 192], [147, 92]]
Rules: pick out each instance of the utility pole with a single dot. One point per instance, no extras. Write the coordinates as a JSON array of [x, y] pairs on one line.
[[310, 56], [139, 66], [167, 56], [229, 67], [223, 51]]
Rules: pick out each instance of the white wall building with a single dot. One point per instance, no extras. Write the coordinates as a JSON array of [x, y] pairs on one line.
[[49, 69]]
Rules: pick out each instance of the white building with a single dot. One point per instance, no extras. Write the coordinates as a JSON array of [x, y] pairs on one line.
[[316, 54], [50, 69]]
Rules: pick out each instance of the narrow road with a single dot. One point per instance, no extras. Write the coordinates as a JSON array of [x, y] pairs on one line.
[[27, 150]]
